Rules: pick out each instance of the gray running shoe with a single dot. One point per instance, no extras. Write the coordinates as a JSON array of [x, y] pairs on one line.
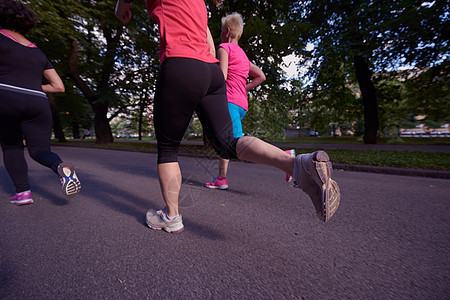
[[157, 219], [70, 183], [312, 174]]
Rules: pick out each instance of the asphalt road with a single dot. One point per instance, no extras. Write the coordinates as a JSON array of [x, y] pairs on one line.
[[258, 240]]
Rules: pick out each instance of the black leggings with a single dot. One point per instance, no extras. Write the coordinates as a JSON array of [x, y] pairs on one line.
[[184, 86], [26, 116]]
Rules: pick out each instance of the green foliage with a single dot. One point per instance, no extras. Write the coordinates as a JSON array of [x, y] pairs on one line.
[[195, 129], [386, 34], [392, 105], [429, 93], [118, 64], [129, 125]]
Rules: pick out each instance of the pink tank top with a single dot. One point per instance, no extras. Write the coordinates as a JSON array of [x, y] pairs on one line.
[[238, 69]]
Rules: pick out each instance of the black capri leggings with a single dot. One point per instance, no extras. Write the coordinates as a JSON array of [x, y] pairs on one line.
[[25, 115], [186, 85]]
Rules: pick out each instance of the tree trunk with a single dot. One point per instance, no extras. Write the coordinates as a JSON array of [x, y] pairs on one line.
[[141, 114], [57, 128], [102, 128], [76, 130], [364, 77]]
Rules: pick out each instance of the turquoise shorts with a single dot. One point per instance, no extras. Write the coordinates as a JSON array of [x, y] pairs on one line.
[[237, 113]]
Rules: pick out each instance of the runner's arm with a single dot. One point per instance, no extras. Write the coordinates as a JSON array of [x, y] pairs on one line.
[[258, 77], [55, 84], [123, 12], [223, 58], [210, 41]]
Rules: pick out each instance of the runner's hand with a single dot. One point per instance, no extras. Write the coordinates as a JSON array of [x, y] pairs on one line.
[[123, 12]]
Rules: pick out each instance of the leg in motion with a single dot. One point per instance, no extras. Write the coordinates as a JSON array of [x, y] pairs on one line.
[[311, 172], [168, 219], [237, 113], [70, 183], [178, 93], [220, 182], [37, 131], [11, 139]]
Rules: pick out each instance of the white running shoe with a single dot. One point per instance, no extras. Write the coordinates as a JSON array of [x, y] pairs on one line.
[[70, 183], [157, 219]]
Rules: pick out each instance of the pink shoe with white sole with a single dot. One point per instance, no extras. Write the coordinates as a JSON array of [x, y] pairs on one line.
[[22, 198], [220, 183]]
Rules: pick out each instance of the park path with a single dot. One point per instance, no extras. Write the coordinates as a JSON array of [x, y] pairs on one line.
[[258, 240]]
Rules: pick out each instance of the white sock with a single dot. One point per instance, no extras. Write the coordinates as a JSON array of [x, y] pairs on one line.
[[170, 218]]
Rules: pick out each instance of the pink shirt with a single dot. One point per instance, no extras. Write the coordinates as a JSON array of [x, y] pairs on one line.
[[238, 69], [182, 29]]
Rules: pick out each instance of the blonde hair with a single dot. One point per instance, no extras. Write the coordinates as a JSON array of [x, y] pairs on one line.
[[235, 23]]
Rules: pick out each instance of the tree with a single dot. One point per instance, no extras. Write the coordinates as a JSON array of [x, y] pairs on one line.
[[428, 93], [372, 36], [97, 53], [332, 100], [393, 108]]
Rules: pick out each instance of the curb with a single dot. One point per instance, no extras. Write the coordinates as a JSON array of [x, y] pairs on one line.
[[343, 167]]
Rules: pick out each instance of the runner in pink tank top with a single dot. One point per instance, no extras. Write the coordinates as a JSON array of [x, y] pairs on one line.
[[235, 67], [237, 72]]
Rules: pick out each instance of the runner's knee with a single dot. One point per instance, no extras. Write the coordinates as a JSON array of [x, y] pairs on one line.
[[225, 148]]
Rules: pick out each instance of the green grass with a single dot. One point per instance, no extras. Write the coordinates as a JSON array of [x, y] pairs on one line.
[[338, 140], [382, 141], [406, 159]]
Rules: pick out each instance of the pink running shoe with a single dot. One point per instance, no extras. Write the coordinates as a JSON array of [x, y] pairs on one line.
[[291, 153], [218, 183], [21, 198]]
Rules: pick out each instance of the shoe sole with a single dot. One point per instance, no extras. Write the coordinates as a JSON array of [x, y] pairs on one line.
[[334, 199], [21, 202], [220, 187], [166, 229], [329, 190], [71, 186], [291, 153]]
